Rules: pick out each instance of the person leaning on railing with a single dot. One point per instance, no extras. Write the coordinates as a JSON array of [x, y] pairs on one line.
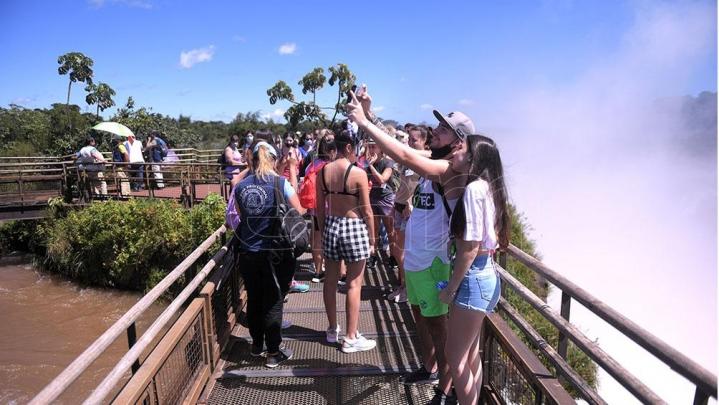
[[91, 161], [233, 158]]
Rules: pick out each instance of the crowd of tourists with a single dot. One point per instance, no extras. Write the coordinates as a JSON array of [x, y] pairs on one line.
[[130, 157], [430, 202]]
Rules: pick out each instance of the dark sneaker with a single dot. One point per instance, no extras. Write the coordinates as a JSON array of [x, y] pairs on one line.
[[274, 360], [372, 262], [392, 262], [342, 280], [421, 376], [258, 351], [318, 278], [440, 398]]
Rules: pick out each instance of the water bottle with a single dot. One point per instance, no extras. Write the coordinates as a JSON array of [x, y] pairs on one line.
[[441, 285]]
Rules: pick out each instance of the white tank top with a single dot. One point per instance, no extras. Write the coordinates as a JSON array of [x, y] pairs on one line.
[[427, 232]]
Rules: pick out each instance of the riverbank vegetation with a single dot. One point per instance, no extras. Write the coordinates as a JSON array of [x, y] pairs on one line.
[[127, 245]]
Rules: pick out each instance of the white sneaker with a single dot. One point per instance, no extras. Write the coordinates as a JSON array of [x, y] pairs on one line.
[[286, 323], [358, 344], [393, 295], [333, 334]]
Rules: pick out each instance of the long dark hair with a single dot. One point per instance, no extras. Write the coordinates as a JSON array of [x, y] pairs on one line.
[[342, 140], [485, 164], [325, 147]]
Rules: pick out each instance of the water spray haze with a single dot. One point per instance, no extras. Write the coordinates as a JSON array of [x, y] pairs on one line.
[[616, 171]]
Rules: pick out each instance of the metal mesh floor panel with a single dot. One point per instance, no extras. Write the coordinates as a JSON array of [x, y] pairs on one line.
[[371, 298], [318, 390], [391, 352], [396, 320], [319, 373]]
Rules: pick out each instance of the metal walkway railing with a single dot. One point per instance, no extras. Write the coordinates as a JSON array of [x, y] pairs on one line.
[[204, 356]]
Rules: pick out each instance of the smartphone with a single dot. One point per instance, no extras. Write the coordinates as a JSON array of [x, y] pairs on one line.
[[360, 91], [349, 96]]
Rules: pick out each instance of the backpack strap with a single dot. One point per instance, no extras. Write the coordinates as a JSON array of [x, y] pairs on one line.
[[440, 190]]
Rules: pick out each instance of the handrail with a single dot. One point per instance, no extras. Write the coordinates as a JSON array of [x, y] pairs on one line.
[[628, 380], [134, 353], [667, 354], [562, 367], [82, 362]]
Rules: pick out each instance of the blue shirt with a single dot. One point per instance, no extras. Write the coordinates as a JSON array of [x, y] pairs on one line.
[[255, 201]]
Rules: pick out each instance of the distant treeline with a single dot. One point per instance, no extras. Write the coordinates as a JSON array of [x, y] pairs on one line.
[[61, 129]]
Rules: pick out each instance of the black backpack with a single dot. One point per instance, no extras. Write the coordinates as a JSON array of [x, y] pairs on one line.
[[291, 229]]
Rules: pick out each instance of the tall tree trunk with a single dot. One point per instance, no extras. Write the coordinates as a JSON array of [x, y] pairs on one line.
[[68, 92], [98, 110]]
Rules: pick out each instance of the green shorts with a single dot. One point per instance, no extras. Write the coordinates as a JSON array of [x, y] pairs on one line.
[[422, 288]]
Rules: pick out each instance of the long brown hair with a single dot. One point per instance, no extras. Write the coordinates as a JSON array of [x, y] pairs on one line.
[[485, 164]]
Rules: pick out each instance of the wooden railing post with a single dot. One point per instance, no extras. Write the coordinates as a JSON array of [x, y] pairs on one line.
[[503, 264], [700, 397], [564, 312], [131, 340]]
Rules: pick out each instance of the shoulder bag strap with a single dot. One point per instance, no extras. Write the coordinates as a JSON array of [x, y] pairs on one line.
[[440, 189]]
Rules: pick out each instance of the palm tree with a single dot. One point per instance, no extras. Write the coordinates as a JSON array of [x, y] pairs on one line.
[[100, 94], [78, 65]]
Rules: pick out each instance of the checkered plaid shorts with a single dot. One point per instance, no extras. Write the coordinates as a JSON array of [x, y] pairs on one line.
[[345, 239]]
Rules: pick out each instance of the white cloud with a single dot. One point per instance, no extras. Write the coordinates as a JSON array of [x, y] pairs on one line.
[[426, 106], [190, 58], [239, 38], [466, 102], [288, 48], [379, 108], [22, 101], [274, 115]]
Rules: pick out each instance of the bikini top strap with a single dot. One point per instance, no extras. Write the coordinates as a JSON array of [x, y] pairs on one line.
[[344, 179]]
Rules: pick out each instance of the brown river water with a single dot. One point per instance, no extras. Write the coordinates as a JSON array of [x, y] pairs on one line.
[[47, 321]]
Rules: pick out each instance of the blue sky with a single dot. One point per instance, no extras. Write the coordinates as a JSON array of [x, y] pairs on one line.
[[565, 87], [450, 55]]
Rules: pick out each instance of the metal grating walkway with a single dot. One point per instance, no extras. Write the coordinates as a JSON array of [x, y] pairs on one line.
[[319, 373]]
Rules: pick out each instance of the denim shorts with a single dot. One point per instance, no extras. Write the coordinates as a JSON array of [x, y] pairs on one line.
[[481, 287]]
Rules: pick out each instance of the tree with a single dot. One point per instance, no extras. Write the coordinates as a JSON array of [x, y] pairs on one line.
[[311, 83], [100, 94], [79, 66]]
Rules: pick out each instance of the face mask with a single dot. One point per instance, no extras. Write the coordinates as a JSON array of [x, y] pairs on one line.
[[439, 153], [249, 140], [309, 144], [235, 144]]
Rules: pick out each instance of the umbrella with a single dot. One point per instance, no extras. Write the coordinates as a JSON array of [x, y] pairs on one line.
[[114, 128]]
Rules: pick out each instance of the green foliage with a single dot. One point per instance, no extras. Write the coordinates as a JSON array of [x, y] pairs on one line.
[[313, 81], [142, 121], [129, 245], [100, 94], [579, 361], [78, 65], [26, 236]]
